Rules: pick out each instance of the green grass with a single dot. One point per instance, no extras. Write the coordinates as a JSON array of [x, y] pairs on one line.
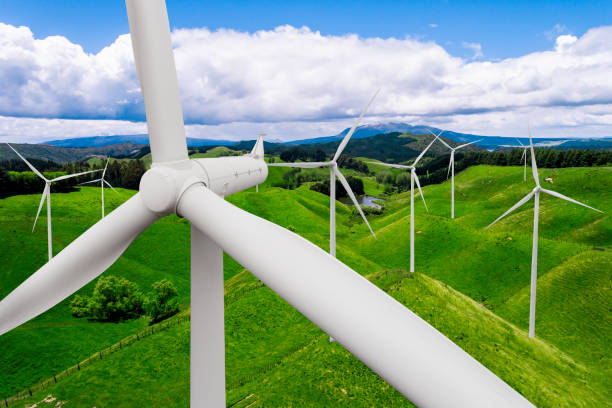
[[472, 284]]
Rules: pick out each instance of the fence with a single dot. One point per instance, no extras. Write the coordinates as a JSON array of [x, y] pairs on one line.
[[147, 331]]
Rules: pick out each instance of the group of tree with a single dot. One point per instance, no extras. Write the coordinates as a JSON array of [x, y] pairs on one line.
[[299, 153], [16, 177], [355, 183], [115, 299]]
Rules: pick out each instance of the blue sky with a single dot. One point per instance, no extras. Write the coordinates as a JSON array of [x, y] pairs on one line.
[[503, 28], [247, 67]]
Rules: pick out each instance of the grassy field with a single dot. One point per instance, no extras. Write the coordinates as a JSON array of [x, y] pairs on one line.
[[471, 283]]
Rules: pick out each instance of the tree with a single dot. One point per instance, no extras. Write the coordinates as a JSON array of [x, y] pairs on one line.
[[162, 302], [80, 306], [115, 298]]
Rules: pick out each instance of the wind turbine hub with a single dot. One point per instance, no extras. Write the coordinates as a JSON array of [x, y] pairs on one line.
[[159, 188]]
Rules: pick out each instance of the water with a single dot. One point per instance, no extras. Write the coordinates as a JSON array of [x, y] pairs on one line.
[[364, 200]]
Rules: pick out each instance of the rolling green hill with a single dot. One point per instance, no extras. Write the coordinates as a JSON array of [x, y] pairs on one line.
[[471, 284]]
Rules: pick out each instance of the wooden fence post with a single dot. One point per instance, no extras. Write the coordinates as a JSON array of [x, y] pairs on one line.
[[79, 366], [55, 379], [100, 355]]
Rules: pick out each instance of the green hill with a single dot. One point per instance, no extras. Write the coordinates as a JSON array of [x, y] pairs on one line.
[[471, 283]]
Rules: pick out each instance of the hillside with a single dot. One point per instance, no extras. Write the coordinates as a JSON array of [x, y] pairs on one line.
[[470, 283], [66, 154]]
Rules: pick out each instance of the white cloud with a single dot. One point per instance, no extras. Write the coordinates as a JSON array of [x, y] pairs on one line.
[[293, 82], [433, 25], [475, 47], [555, 31]]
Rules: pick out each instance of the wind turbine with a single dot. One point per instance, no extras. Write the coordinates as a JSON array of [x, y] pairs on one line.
[[523, 157], [413, 178], [46, 194], [260, 137], [432, 371], [102, 182], [451, 168], [333, 173], [536, 212]]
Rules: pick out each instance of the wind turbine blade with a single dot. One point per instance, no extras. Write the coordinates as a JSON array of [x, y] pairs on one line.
[[347, 187], [105, 166], [42, 201], [450, 163], [108, 184], [571, 200], [84, 259], [38, 173], [424, 151], [301, 165], [519, 141], [331, 295], [524, 154], [467, 144], [350, 132], [89, 182], [156, 70], [258, 149], [395, 166], [416, 178], [514, 207], [534, 166], [67, 176], [443, 142]]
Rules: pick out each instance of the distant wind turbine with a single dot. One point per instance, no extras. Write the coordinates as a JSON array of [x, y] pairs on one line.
[[102, 181], [523, 157], [451, 168], [46, 194], [259, 140], [536, 212], [413, 179], [333, 173]]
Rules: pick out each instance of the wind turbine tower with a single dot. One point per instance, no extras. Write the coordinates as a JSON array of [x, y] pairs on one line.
[[413, 179], [535, 193], [451, 168], [46, 194]]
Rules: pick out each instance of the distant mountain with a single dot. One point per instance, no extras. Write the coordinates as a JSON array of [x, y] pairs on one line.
[[486, 142], [67, 154], [362, 132], [100, 141]]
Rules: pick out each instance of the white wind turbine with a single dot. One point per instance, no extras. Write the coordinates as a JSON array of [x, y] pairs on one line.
[[46, 194], [102, 181], [406, 351], [524, 158], [536, 212], [333, 173], [260, 137], [451, 168], [413, 178]]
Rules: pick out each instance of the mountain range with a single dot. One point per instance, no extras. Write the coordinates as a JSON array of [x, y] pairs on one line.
[[364, 131]]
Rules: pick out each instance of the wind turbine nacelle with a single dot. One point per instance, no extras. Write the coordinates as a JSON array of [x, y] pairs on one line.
[[229, 175]]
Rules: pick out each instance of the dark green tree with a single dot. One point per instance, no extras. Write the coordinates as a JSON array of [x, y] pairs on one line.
[[162, 302]]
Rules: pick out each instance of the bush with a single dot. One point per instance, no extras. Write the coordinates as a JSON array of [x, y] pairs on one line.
[[116, 299], [79, 306], [162, 302], [113, 299]]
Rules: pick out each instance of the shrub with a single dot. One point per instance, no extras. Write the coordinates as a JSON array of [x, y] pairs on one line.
[[116, 299], [79, 306], [162, 302]]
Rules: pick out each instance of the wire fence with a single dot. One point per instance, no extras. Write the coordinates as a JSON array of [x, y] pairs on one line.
[[139, 335]]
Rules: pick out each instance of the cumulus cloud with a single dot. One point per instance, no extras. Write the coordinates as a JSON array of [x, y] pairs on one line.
[[288, 76], [433, 25]]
